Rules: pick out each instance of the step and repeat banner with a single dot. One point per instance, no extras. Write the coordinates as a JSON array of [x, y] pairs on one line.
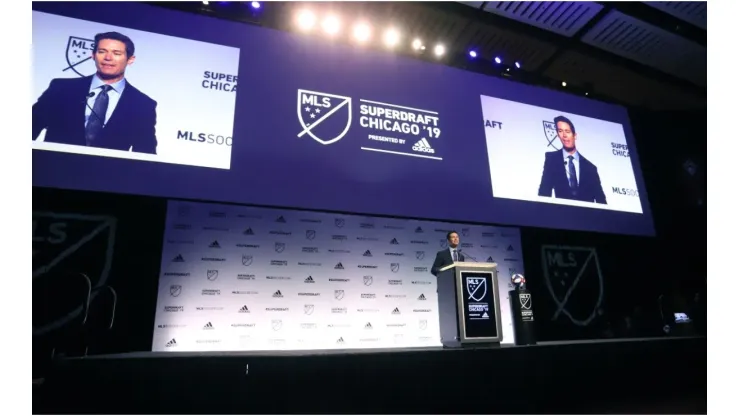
[[314, 134], [245, 278]]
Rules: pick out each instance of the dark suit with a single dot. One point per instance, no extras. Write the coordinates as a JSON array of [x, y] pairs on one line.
[[61, 111], [444, 258], [554, 177]]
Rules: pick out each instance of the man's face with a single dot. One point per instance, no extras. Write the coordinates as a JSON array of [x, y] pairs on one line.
[[454, 240], [566, 135], [111, 59]]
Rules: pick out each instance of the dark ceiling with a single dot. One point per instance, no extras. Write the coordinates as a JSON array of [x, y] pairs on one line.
[[650, 55]]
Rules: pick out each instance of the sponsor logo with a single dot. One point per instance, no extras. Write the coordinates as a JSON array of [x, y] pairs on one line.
[[367, 280], [422, 146]]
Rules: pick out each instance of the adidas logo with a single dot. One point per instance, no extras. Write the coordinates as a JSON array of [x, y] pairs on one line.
[[244, 309], [178, 259], [419, 230], [309, 279], [277, 294], [339, 266], [280, 219], [214, 244], [368, 326], [340, 340], [485, 315], [510, 248], [394, 241], [423, 146], [208, 326], [248, 231], [490, 260], [421, 297], [171, 343], [396, 312], [368, 253]]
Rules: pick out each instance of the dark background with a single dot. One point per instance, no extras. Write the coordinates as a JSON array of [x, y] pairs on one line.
[[636, 270]]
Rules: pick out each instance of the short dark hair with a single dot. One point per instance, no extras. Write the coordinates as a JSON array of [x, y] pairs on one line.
[[564, 119], [130, 49], [450, 233]]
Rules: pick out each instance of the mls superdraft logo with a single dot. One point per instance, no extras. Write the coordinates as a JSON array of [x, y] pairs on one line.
[[64, 244], [325, 118], [279, 247], [551, 135], [175, 290], [525, 301], [212, 275], [247, 260], [79, 56], [477, 288], [573, 278]]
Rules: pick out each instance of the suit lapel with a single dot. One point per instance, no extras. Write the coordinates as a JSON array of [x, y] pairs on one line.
[[123, 103]]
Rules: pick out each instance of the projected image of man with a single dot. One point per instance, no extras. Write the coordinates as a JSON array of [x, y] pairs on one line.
[[567, 172], [103, 110], [449, 255]]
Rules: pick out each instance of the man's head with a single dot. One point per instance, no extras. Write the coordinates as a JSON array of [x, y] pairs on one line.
[[566, 133], [453, 239], [113, 52]]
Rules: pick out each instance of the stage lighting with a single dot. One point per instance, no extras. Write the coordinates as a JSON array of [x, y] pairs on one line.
[[439, 50], [256, 5], [417, 45], [518, 65], [391, 37], [306, 20], [330, 25], [206, 3], [497, 60], [564, 84], [362, 32], [473, 54]]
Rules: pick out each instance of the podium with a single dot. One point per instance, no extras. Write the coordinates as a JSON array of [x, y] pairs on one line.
[[469, 307]]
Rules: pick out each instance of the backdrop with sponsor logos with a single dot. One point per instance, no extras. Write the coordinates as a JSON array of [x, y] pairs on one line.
[[242, 278], [329, 127]]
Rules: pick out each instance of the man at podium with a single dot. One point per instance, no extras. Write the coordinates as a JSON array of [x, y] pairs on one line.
[[449, 255]]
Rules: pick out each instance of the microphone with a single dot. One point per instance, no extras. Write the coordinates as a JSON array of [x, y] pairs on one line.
[[466, 255], [88, 96]]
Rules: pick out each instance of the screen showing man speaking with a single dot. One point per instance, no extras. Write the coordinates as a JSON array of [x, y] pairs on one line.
[[111, 91], [544, 155]]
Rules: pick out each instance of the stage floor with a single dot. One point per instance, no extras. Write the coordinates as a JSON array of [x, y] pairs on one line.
[[610, 376]]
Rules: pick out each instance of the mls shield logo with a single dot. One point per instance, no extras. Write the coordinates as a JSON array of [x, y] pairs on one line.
[[367, 280], [573, 278], [423, 324], [551, 133], [66, 243], [477, 288], [395, 267], [310, 234], [339, 222], [525, 300], [308, 309], [212, 275], [279, 247], [442, 243], [326, 118], [175, 290], [465, 232], [339, 294], [420, 255], [79, 56], [277, 324], [247, 260]]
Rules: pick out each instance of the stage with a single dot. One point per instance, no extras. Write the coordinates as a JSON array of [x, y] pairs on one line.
[[665, 375]]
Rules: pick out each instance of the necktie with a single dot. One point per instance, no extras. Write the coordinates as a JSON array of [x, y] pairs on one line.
[[572, 178], [100, 109], [455, 255]]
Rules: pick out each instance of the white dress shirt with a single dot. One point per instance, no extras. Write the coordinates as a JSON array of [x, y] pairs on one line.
[[576, 164], [114, 95]]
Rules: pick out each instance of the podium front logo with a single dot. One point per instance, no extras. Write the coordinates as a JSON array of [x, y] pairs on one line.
[[477, 288], [525, 300]]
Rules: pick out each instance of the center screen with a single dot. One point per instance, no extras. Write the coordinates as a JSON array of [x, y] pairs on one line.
[[316, 125]]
